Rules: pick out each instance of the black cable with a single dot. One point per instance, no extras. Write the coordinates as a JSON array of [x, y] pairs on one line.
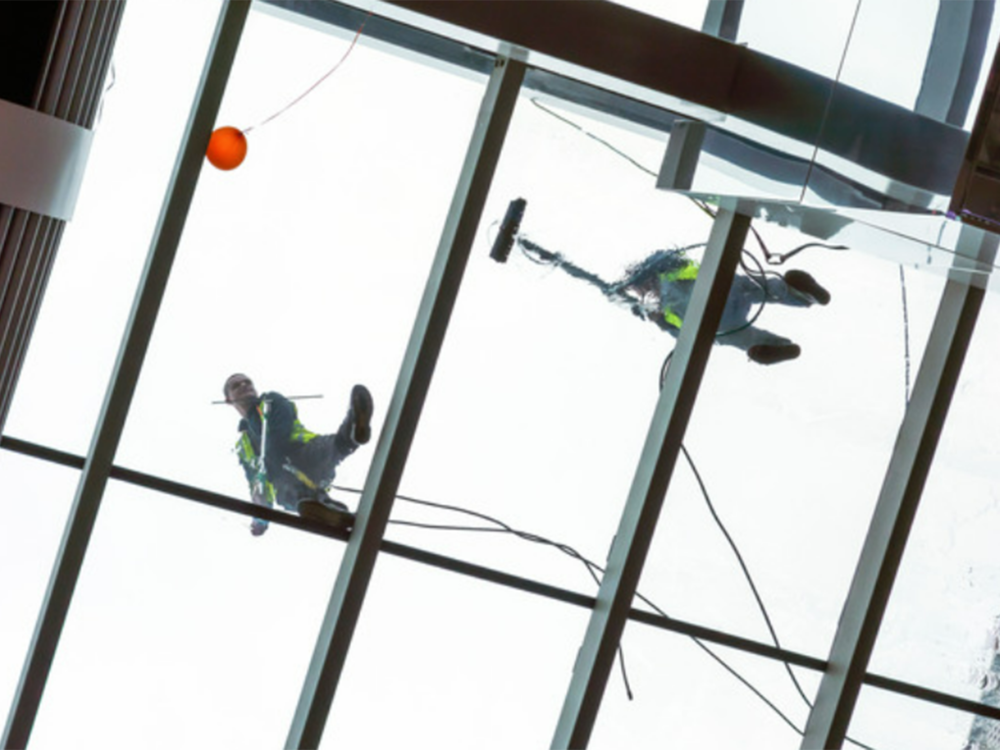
[[500, 526], [744, 568], [588, 564], [594, 137]]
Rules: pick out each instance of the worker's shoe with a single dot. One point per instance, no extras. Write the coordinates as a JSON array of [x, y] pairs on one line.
[[770, 354], [335, 515], [361, 414], [800, 281]]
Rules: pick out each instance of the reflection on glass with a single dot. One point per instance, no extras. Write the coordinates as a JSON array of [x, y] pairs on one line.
[[812, 36], [939, 628], [184, 630], [887, 52]]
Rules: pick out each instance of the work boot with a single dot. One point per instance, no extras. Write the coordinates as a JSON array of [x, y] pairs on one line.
[[800, 281], [770, 354], [361, 414], [314, 510]]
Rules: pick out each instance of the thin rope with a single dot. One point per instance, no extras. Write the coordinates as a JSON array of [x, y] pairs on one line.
[[309, 90], [829, 101], [906, 337]]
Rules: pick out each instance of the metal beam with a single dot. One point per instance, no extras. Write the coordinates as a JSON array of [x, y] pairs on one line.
[[499, 577], [902, 487], [407, 402], [768, 163], [680, 161], [722, 19], [955, 57], [652, 477], [149, 295]]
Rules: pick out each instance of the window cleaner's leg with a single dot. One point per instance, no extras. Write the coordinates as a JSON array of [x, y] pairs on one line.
[[318, 505]]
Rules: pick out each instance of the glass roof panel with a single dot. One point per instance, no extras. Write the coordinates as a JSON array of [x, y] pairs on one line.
[[884, 720], [454, 661], [304, 267], [531, 417], [791, 455], [940, 627], [681, 687], [689, 14], [185, 630], [102, 251], [29, 540]]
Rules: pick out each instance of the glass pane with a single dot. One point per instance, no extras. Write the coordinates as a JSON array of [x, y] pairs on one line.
[[940, 626], [810, 35], [790, 457], [38, 499], [532, 416], [888, 49], [912, 61], [185, 630], [682, 12], [304, 267], [443, 658], [884, 720], [89, 294], [681, 689]]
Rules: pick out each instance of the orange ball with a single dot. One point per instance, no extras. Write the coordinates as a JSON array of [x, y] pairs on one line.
[[227, 148]]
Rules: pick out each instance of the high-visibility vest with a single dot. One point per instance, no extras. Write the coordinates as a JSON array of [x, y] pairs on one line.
[[687, 272], [248, 456]]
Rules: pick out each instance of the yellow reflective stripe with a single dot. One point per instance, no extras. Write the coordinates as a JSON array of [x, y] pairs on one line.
[[300, 434], [672, 319], [245, 449], [687, 273]]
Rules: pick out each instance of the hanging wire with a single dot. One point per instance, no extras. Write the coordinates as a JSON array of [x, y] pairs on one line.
[[593, 569], [906, 337], [775, 259], [309, 90]]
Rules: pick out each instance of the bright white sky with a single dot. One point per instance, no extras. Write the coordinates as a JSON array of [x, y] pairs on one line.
[[304, 268]]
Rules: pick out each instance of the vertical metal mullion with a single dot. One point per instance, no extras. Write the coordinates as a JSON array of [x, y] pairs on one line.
[[407, 402], [135, 342], [722, 19], [899, 498], [652, 478]]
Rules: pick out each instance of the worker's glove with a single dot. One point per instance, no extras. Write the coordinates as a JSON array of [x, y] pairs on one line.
[[258, 526]]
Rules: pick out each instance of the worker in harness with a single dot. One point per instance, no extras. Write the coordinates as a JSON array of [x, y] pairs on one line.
[[287, 464], [660, 290]]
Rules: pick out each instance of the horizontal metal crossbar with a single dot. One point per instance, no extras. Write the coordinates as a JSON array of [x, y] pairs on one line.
[[483, 573]]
